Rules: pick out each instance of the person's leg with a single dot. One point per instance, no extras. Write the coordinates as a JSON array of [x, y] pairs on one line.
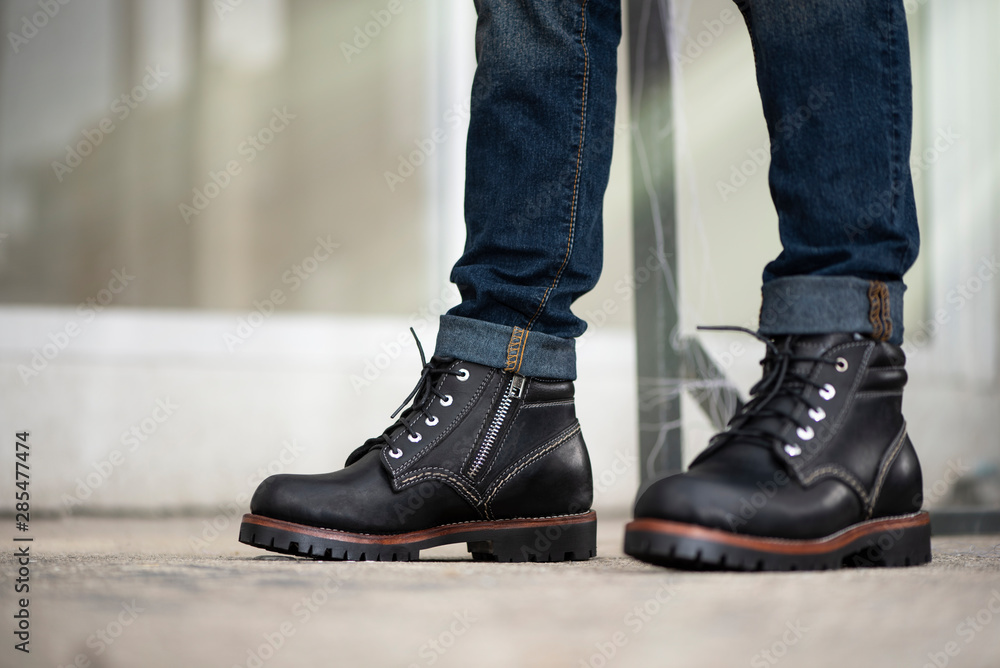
[[539, 153], [817, 470], [834, 80], [490, 452]]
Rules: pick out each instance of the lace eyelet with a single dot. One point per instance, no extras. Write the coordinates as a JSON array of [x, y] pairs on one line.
[[841, 365], [447, 400], [415, 440], [463, 375], [395, 453], [827, 392], [431, 421], [806, 434], [792, 450], [817, 414]]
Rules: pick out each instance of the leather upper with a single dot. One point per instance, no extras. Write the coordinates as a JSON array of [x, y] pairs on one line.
[[835, 450], [477, 443]]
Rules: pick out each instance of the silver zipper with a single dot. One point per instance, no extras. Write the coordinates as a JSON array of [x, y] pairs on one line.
[[514, 389]]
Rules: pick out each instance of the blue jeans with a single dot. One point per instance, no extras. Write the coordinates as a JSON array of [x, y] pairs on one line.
[[834, 79]]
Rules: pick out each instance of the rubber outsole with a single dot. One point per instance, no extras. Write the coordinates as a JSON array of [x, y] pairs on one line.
[[886, 542], [563, 538]]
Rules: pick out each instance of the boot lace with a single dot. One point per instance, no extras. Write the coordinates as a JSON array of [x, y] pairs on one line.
[[423, 395], [777, 395]]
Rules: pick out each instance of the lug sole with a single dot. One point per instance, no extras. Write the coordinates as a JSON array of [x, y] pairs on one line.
[[887, 542], [564, 538]]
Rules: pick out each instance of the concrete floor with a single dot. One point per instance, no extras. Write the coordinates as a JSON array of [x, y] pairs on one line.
[[139, 593]]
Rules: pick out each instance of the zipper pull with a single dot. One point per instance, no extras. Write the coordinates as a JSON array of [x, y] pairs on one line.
[[516, 386]]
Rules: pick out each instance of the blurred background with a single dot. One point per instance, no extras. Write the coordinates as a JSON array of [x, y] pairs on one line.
[[219, 219]]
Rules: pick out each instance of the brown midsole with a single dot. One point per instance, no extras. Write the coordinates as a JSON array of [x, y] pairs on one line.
[[781, 545], [422, 535]]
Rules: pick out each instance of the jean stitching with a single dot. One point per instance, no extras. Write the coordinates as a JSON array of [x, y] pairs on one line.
[[879, 314], [524, 346], [514, 348], [576, 179]]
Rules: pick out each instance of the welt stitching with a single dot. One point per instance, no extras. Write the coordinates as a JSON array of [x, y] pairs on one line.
[[509, 519]]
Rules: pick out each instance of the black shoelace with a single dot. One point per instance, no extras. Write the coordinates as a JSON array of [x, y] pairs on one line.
[[422, 394], [781, 380]]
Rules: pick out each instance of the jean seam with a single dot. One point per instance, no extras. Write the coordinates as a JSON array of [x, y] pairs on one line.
[[576, 186]]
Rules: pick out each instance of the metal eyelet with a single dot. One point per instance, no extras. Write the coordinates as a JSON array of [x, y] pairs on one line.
[[827, 392], [415, 440], [463, 375], [431, 421], [817, 414], [395, 453], [841, 365], [792, 450], [805, 434], [447, 400]]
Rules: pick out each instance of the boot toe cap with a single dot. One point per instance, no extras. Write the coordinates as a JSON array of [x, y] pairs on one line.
[[751, 506]]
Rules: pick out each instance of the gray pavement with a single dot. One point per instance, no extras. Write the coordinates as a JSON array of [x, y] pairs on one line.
[[111, 592]]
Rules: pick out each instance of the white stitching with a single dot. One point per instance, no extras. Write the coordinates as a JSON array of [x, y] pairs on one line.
[[530, 459], [888, 460]]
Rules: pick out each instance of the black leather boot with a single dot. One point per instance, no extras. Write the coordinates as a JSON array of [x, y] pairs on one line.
[[482, 456], [815, 472]]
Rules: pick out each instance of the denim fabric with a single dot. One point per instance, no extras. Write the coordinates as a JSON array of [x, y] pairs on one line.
[[834, 79], [538, 157], [828, 304]]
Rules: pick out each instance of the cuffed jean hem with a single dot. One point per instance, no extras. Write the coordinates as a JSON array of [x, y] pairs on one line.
[[481, 342], [825, 304]]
